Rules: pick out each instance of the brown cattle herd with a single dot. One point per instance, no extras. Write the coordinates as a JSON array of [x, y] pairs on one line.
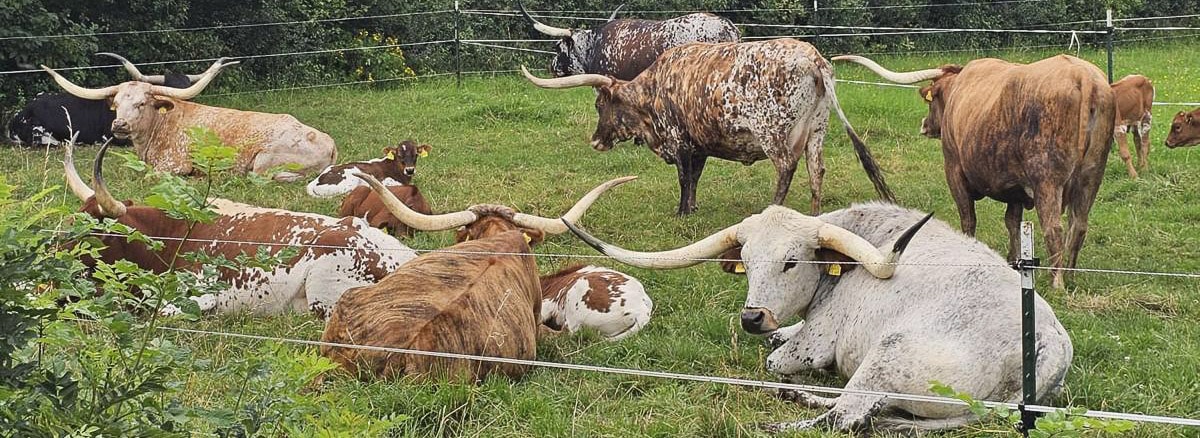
[[1033, 136]]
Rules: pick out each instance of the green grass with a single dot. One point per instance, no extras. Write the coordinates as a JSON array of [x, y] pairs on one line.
[[500, 140]]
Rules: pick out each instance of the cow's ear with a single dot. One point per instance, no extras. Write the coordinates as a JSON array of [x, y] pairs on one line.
[[927, 93], [112, 104], [732, 261], [533, 237], [836, 263], [389, 153], [423, 150], [163, 105], [1189, 118]]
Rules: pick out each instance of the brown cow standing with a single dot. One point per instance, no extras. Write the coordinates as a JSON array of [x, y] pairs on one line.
[[479, 297], [1185, 129], [1031, 136], [1135, 96], [365, 203]]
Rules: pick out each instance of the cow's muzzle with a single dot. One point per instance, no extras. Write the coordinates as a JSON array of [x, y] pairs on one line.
[[758, 321], [410, 171], [120, 129]]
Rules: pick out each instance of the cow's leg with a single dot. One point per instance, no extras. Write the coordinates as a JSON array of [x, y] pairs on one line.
[[690, 166], [1012, 221], [815, 162], [783, 180], [809, 348], [1123, 149], [1049, 210], [1080, 207], [962, 198], [1142, 136]]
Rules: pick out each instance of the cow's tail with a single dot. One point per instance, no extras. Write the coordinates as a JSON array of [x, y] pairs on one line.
[[860, 148]]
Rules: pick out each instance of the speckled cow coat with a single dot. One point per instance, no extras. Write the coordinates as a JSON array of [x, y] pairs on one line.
[[951, 313], [1028, 135], [736, 101], [624, 48], [158, 127], [610, 302], [447, 302], [348, 253], [395, 168]]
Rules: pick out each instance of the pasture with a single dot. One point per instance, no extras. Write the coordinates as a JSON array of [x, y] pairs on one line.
[[501, 140]]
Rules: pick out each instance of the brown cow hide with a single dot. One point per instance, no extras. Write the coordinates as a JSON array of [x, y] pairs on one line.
[[485, 305]]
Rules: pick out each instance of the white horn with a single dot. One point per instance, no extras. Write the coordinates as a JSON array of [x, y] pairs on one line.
[[77, 91], [899, 78], [219, 64], [548, 30], [693, 254], [196, 88], [133, 70], [591, 80], [423, 222], [615, 11], [880, 263], [74, 182], [555, 226], [109, 206]]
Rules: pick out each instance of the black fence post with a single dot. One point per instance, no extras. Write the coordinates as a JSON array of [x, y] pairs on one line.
[[1025, 265], [1109, 27], [457, 46]]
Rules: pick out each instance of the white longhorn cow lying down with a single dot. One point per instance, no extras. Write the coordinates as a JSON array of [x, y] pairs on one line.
[[950, 312], [157, 119]]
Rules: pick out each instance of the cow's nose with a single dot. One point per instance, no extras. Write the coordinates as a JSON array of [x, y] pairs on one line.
[[752, 320], [410, 171]]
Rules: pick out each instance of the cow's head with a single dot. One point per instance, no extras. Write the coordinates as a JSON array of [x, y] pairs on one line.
[[573, 48], [621, 115], [935, 94], [139, 104], [483, 221], [781, 250], [1185, 129], [404, 156]]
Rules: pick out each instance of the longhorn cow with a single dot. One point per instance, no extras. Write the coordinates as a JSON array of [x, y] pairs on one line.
[[624, 48], [741, 102], [156, 118], [1028, 135], [480, 297], [334, 254], [949, 310]]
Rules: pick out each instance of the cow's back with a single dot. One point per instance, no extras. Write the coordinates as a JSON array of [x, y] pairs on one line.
[[469, 304], [727, 98], [1011, 126], [625, 48], [1134, 95]]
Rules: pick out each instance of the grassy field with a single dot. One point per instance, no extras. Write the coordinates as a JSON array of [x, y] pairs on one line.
[[500, 140]]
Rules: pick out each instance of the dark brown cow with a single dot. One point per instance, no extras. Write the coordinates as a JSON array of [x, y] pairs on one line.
[[397, 167], [1185, 129], [1031, 136], [479, 297], [334, 254], [741, 102], [1135, 97], [363, 202]]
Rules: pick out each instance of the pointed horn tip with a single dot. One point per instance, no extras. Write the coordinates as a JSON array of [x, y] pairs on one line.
[[585, 237], [904, 239]]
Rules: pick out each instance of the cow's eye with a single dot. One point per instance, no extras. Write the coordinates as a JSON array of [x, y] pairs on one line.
[[789, 264]]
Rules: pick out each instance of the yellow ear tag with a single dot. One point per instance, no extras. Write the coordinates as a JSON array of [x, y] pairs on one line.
[[835, 270], [929, 96], [423, 154], [112, 107], [527, 238], [739, 268], [390, 156], [162, 110]]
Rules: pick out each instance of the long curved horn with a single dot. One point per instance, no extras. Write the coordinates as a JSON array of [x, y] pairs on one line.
[[591, 80], [548, 30], [555, 226], [615, 11], [899, 78], [74, 182], [708, 247], [423, 222], [109, 206], [874, 260], [133, 70], [219, 64], [77, 91], [197, 86]]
